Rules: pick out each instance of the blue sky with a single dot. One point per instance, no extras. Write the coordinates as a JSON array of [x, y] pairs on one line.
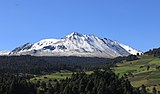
[[132, 22]]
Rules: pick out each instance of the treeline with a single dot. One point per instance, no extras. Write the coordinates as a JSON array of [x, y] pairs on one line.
[[44, 65], [30, 65], [154, 52], [131, 57]]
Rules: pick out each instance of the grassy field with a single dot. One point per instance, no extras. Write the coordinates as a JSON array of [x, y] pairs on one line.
[[53, 76], [140, 74]]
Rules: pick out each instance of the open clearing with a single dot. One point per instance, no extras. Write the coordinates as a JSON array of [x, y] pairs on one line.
[[53, 76]]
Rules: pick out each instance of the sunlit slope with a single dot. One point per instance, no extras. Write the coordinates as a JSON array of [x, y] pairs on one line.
[[143, 71]]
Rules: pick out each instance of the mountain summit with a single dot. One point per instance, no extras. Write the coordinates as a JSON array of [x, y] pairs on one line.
[[76, 44]]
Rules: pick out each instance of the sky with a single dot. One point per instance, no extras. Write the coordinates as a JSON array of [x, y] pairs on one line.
[[133, 22]]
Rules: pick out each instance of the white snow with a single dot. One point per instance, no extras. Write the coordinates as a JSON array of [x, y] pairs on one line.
[[76, 44], [130, 50], [43, 43], [4, 52]]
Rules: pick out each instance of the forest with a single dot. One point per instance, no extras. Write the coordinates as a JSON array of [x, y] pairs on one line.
[[45, 65], [16, 72], [99, 82]]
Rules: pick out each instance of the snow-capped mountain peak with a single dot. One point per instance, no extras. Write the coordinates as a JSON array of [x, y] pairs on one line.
[[76, 44], [74, 34]]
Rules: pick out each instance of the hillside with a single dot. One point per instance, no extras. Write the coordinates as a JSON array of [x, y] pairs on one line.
[[145, 70]]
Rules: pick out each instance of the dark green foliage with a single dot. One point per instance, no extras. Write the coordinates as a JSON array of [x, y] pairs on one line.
[[45, 65], [143, 89], [131, 58], [154, 52], [15, 72], [157, 67], [100, 82], [43, 85], [154, 91], [11, 84], [148, 67]]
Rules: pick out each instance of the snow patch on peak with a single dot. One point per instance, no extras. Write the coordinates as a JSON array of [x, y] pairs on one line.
[[46, 42], [130, 50], [4, 52], [73, 34], [22, 48]]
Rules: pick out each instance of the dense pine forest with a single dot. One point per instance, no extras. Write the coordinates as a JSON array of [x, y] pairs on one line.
[[45, 65], [99, 82], [16, 84], [16, 72]]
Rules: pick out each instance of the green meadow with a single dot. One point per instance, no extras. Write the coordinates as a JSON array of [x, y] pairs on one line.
[[53, 76], [141, 71]]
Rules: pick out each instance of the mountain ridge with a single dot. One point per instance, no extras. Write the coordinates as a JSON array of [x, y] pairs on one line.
[[76, 44]]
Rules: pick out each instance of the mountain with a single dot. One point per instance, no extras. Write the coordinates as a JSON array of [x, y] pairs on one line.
[[76, 44], [4, 52]]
